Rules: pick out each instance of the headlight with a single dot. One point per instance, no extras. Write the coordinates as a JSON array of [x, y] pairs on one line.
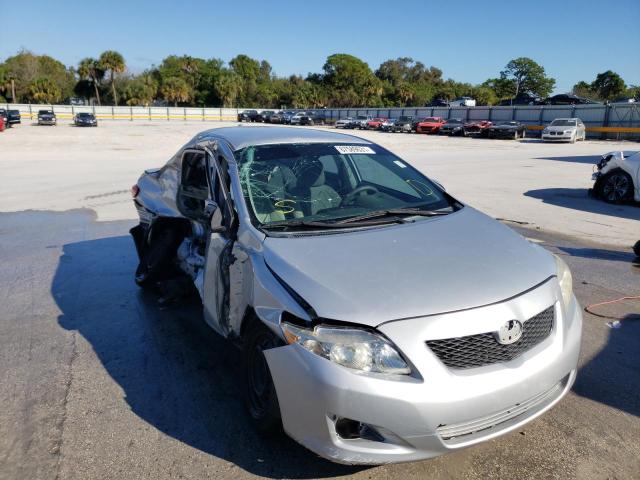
[[564, 279], [566, 132], [349, 347], [545, 130]]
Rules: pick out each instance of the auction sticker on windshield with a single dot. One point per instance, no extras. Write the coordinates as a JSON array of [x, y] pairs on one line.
[[351, 149]]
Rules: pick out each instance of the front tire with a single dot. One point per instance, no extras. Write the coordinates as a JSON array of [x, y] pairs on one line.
[[261, 397], [616, 187]]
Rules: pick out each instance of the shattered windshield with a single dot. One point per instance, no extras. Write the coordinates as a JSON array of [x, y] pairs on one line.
[[330, 182]]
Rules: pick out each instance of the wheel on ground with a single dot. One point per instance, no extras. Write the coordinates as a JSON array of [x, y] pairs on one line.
[[616, 187], [142, 277], [261, 397], [524, 134], [574, 137]]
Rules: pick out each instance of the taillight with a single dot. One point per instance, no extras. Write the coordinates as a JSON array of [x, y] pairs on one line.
[[135, 190]]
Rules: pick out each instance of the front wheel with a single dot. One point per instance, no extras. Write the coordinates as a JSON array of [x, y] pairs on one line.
[[616, 187], [261, 397]]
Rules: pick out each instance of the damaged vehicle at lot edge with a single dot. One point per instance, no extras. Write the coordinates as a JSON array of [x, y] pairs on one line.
[[617, 178], [381, 320]]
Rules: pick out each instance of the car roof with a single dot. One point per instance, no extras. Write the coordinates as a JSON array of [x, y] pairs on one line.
[[241, 136]]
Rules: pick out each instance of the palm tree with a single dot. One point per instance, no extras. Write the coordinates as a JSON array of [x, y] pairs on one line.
[[89, 68], [44, 90], [175, 89], [114, 63]]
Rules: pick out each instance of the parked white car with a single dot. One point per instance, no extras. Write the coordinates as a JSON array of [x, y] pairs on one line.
[[564, 130], [618, 177], [344, 122], [463, 102]]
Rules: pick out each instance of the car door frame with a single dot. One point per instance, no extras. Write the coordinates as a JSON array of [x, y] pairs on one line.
[[221, 236]]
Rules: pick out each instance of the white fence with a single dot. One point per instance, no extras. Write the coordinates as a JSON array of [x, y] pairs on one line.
[[620, 120]]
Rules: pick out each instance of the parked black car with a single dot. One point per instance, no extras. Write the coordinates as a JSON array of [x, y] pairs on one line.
[[249, 116], [264, 116], [85, 119], [509, 129], [438, 102], [403, 124], [523, 99], [46, 117], [276, 117], [568, 99], [453, 126], [318, 117], [14, 116]]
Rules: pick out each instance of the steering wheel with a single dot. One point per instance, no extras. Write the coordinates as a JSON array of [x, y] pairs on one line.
[[353, 194]]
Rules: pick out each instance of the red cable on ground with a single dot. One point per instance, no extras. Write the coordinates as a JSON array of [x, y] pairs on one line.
[[588, 307]]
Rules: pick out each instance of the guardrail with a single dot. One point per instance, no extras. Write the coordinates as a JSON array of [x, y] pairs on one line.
[[602, 121]]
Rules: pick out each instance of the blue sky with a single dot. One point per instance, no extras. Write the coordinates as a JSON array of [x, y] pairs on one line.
[[469, 40]]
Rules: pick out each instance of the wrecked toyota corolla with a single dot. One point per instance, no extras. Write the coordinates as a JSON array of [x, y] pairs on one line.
[[381, 319]]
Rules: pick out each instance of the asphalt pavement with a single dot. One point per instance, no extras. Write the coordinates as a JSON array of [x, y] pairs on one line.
[[97, 381]]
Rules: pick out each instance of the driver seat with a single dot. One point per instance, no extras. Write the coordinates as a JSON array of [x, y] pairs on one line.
[[312, 192]]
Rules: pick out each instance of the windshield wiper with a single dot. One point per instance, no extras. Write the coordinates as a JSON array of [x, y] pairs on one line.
[[393, 212], [317, 225]]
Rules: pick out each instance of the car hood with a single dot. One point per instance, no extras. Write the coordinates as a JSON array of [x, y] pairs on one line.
[[430, 266], [452, 125], [504, 127]]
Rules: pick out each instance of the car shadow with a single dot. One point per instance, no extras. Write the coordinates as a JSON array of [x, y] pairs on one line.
[[579, 199], [600, 254], [176, 373], [589, 159], [610, 377]]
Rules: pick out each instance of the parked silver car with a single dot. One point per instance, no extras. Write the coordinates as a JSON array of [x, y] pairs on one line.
[[344, 122], [617, 178], [381, 319], [565, 130]]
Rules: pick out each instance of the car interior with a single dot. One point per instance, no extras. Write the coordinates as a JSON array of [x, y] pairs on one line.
[[281, 184]]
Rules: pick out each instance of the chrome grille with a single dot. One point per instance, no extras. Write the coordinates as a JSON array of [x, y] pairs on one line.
[[483, 349]]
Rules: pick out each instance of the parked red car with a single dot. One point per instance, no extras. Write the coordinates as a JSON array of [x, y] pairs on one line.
[[376, 123], [1, 124], [430, 125], [477, 127]]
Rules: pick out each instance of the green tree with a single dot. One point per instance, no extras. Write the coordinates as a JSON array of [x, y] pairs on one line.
[[175, 90], [90, 69], [227, 86], [112, 62], [407, 82], [608, 85], [523, 75], [25, 68], [583, 89], [139, 90], [350, 82], [44, 90]]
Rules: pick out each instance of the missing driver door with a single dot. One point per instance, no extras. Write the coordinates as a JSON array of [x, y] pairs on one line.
[[219, 249]]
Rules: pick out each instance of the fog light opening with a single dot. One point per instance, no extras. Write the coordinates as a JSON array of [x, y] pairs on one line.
[[348, 429]]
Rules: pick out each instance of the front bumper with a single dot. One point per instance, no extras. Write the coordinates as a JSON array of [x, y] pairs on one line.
[[438, 410], [565, 137], [46, 122]]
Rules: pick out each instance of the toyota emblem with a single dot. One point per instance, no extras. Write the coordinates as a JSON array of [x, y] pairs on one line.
[[509, 333]]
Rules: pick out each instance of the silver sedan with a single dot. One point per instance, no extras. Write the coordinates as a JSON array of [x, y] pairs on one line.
[[381, 319]]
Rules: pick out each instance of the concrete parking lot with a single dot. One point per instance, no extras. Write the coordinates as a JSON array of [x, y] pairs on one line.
[[97, 381]]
